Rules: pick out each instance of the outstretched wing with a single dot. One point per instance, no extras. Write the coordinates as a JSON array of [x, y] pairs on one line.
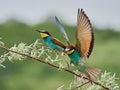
[[62, 30], [58, 42], [84, 35]]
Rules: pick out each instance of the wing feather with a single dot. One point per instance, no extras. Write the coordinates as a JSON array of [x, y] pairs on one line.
[[62, 30], [84, 35], [58, 42]]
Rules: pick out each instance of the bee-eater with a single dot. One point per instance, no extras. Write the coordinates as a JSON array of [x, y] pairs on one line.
[[84, 44], [51, 41]]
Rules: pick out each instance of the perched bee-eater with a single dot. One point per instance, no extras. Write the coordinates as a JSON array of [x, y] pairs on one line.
[[51, 41], [84, 44]]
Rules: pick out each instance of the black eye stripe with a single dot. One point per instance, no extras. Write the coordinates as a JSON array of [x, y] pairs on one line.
[[69, 49]]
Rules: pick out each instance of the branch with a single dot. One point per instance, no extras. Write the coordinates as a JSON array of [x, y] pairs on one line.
[[55, 66]]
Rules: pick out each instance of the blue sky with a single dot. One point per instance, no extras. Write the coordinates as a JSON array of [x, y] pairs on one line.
[[102, 13]]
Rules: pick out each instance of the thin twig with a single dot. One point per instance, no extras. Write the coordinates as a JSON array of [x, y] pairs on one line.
[[55, 66], [80, 85]]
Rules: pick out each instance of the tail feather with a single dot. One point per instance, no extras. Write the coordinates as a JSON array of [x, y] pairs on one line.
[[93, 72]]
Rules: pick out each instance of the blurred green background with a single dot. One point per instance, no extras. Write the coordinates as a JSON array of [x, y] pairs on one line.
[[32, 75]]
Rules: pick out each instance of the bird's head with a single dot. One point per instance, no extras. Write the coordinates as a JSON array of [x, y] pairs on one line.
[[43, 33], [69, 50]]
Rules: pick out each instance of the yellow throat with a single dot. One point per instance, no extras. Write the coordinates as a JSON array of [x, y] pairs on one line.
[[70, 52], [43, 35]]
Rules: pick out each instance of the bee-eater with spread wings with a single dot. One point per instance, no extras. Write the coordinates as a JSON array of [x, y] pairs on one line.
[[84, 44]]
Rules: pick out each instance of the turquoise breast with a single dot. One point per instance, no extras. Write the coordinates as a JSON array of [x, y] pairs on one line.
[[75, 57], [51, 44]]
